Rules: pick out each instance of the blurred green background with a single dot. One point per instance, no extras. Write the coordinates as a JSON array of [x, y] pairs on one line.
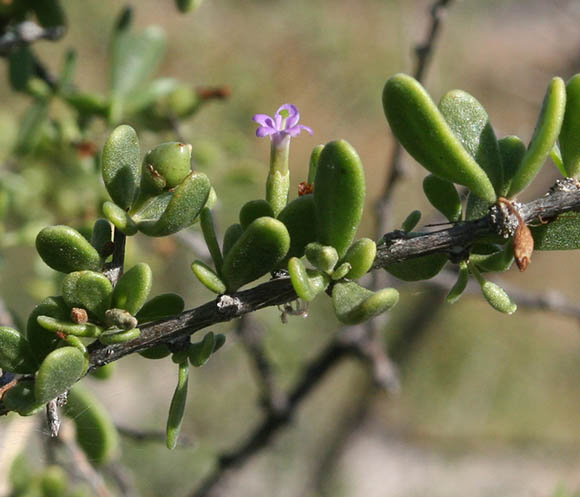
[[489, 404]]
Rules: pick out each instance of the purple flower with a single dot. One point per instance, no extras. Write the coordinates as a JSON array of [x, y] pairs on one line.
[[283, 124]]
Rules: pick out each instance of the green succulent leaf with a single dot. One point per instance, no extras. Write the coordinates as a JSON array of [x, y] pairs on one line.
[[40, 340], [354, 304], [121, 165], [569, 142], [177, 407], [114, 337], [499, 260], [512, 150], [210, 237], [462, 279], [498, 298], [360, 255], [133, 288], [96, 433], [339, 195], [443, 195], [198, 353], [411, 221], [544, 137], [16, 355], [102, 235], [469, 121], [208, 277], [341, 271], [313, 163], [64, 249], [421, 128], [184, 207], [258, 251], [254, 209], [561, 234], [21, 399], [156, 352], [79, 330], [231, 236], [59, 371], [160, 307], [135, 57], [420, 268], [120, 218], [104, 372], [322, 257], [88, 290], [307, 283], [299, 217]]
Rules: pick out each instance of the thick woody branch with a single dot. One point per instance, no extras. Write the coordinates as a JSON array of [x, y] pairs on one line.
[[399, 246]]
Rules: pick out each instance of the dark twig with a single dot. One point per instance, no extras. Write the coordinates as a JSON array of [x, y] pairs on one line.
[[251, 336], [399, 246], [27, 33]]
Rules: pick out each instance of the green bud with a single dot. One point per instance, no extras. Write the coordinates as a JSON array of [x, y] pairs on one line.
[[421, 128], [95, 431], [341, 271], [16, 355], [443, 195], [187, 201], [133, 288], [59, 371], [258, 251], [208, 277], [307, 283], [253, 210], [569, 143], [66, 250], [354, 304], [339, 195], [322, 257], [177, 407], [545, 136], [360, 255], [166, 166], [88, 290], [120, 165], [160, 307]]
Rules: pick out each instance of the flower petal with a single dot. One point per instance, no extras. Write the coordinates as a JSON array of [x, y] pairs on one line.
[[265, 131], [263, 120], [296, 130]]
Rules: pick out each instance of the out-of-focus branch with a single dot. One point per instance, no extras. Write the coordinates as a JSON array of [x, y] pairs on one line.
[[251, 337]]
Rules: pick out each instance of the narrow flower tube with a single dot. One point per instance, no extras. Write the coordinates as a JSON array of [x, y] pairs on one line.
[[280, 128]]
